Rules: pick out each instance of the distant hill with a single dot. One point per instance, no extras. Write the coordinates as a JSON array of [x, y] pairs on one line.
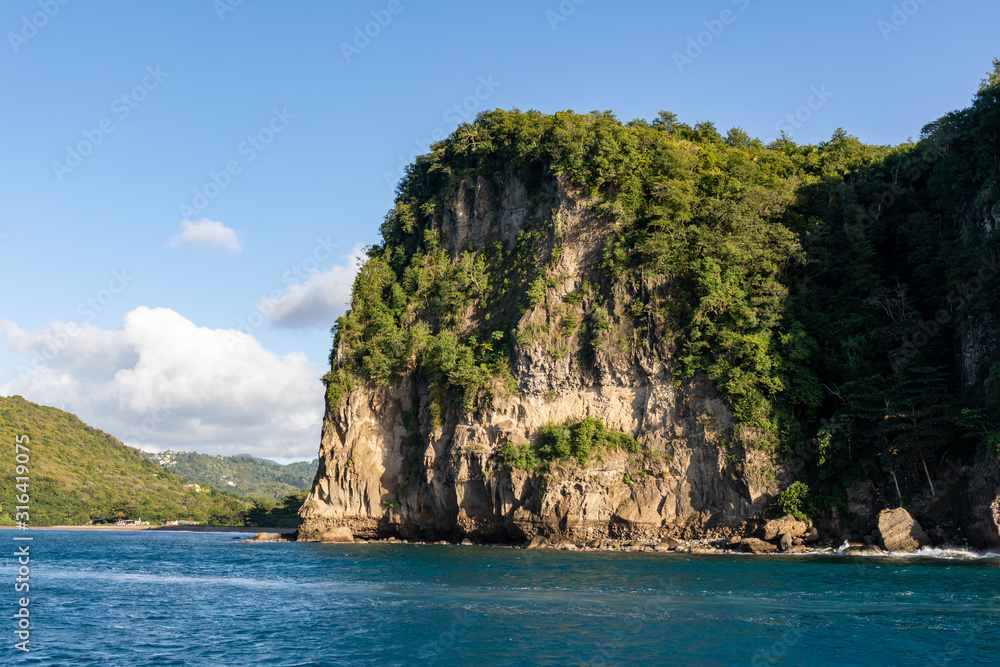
[[244, 474], [78, 473]]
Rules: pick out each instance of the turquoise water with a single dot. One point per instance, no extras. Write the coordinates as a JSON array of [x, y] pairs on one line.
[[158, 598]]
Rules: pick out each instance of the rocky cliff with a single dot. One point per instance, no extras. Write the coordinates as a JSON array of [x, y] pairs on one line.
[[582, 329], [386, 470]]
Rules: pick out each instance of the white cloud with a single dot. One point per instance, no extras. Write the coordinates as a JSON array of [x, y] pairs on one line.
[[161, 382], [208, 233], [319, 300]]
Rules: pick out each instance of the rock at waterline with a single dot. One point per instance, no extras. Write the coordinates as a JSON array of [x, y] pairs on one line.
[[786, 542], [537, 542], [755, 546], [336, 535], [898, 531], [667, 544], [270, 537], [863, 550], [786, 524]]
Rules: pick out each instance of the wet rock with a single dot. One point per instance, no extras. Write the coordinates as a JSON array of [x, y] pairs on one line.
[[537, 542], [467, 542], [898, 531], [863, 550], [268, 537], [755, 546], [337, 534], [785, 543], [667, 544]]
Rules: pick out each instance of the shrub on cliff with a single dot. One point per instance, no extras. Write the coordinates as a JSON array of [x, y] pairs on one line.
[[563, 442]]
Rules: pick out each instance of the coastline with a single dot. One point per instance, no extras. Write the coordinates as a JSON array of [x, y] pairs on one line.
[[686, 547], [707, 548], [190, 529]]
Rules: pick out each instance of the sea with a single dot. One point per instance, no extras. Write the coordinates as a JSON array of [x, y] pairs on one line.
[[148, 597]]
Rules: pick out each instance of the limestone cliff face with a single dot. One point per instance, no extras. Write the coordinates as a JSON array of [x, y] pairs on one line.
[[387, 467]]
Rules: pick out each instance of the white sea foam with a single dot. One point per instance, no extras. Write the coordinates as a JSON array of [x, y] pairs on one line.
[[947, 553], [950, 553]]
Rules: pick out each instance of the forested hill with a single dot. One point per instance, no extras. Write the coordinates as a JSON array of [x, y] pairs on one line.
[[842, 297], [244, 475], [77, 473]]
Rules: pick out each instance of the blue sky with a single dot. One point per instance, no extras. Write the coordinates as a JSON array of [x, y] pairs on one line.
[[177, 172]]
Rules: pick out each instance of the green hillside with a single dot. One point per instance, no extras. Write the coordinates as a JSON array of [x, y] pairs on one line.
[[78, 473], [244, 475]]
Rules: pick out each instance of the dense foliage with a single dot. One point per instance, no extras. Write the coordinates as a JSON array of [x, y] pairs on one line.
[[841, 296], [282, 513], [242, 475], [577, 441], [78, 473]]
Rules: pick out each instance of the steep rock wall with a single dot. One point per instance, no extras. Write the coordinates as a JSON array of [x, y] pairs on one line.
[[386, 468]]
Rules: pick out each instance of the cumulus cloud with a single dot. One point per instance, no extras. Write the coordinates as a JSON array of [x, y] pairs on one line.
[[319, 300], [161, 382], [207, 233]]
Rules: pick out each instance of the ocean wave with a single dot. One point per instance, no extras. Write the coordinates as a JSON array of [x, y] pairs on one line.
[[943, 553]]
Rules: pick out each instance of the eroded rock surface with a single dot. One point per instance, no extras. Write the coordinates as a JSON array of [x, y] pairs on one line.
[[900, 532]]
